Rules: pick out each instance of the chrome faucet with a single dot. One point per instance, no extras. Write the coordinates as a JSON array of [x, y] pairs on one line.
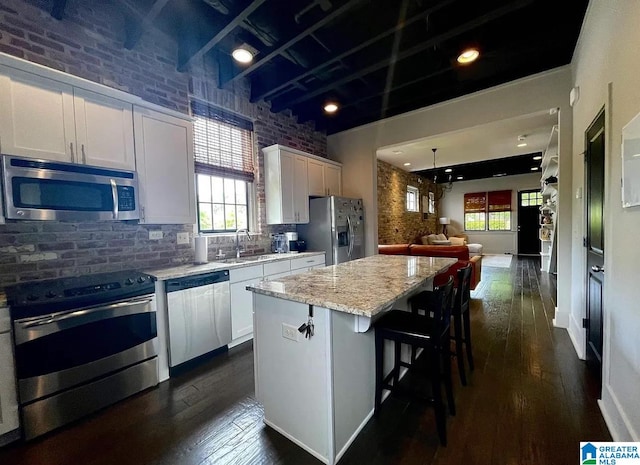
[[244, 230]]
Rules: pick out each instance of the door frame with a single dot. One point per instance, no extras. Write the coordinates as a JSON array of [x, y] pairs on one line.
[[599, 129], [518, 200]]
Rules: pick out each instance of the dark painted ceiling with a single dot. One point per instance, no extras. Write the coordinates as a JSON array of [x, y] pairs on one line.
[[377, 58], [509, 166]]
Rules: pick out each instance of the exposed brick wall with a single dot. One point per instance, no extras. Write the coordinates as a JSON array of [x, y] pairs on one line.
[[395, 224], [88, 43]]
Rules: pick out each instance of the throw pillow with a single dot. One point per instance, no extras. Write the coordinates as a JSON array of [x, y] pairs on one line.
[[431, 238], [442, 237], [424, 240], [457, 241]]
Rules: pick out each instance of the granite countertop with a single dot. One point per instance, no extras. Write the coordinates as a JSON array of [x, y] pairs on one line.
[[226, 264], [361, 287]]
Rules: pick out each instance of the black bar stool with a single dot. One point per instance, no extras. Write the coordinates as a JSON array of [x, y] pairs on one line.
[[432, 332], [461, 321]]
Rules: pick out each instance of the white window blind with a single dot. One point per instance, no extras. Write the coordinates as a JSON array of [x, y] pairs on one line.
[[223, 143]]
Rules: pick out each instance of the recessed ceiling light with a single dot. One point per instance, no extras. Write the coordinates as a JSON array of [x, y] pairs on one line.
[[331, 107], [407, 164], [499, 175], [535, 168], [397, 152], [242, 55], [538, 157], [522, 144], [448, 170], [460, 177], [469, 55]]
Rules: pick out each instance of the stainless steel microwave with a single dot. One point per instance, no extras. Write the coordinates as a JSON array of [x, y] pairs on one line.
[[34, 189]]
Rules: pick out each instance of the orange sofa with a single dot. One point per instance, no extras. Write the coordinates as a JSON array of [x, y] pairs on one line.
[[461, 252]]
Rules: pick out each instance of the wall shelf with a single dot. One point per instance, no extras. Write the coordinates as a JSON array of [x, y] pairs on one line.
[[549, 167]]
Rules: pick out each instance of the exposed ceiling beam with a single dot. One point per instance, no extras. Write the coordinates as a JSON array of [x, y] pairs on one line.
[[135, 30], [326, 20], [367, 43], [495, 14], [57, 11], [185, 61]]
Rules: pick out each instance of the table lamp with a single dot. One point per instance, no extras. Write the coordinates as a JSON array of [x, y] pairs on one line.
[[444, 221]]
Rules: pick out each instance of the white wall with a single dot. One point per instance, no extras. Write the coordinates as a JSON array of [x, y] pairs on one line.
[[356, 149], [452, 205], [606, 58]]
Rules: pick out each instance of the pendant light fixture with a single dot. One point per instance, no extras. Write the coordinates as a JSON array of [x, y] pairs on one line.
[[442, 188]]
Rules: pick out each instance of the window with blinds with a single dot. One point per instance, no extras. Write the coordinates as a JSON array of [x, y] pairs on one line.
[[224, 166], [499, 208], [487, 210], [475, 207]]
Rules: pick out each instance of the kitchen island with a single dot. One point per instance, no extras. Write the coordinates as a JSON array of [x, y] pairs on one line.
[[318, 391]]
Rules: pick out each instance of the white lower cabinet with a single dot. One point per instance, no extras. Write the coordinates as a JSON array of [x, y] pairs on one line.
[[242, 300], [8, 396]]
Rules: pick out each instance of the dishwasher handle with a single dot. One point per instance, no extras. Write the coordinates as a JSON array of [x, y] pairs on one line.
[[188, 282]]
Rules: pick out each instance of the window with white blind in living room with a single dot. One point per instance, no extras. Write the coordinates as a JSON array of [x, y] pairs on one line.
[[224, 166], [475, 205]]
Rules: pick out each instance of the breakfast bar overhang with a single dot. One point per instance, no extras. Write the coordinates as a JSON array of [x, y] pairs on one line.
[[318, 390]]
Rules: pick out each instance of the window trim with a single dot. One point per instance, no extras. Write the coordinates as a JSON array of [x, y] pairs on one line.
[[416, 194]]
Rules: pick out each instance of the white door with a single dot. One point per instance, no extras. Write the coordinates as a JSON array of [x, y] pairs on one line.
[[332, 179], [36, 117], [316, 178], [164, 160], [301, 190], [104, 130]]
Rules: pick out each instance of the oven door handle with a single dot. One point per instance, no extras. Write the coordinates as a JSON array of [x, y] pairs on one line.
[[80, 313], [35, 328]]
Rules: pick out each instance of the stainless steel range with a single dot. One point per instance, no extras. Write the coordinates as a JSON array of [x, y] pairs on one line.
[[81, 343]]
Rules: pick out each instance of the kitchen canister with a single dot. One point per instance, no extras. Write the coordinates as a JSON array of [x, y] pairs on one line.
[[202, 251]]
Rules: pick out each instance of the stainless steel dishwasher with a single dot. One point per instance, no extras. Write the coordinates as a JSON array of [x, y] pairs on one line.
[[199, 310]]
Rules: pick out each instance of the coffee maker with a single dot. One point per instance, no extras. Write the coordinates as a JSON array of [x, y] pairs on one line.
[[292, 241]]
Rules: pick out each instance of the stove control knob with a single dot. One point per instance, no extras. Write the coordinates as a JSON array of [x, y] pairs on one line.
[[32, 297], [141, 279], [129, 281], [51, 294]]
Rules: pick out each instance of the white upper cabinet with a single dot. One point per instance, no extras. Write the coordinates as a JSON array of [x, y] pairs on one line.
[[291, 176], [316, 178], [164, 160], [45, 118], [301, 189], [286, 185], [333, 179], [104, 130], [324, 177], [36, 117]]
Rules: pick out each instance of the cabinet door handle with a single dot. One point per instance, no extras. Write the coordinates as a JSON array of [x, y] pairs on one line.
[[73, 156], [84, 155]]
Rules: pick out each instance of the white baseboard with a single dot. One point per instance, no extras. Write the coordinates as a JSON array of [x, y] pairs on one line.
[[561, 320], [240, 340], [317, 455], [620, 427], [353, 436], [578, 337]]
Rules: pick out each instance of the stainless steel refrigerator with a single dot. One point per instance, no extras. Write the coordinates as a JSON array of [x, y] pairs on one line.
[[336, 225]]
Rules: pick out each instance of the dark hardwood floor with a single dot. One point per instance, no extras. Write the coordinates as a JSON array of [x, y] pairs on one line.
[[529, 401]]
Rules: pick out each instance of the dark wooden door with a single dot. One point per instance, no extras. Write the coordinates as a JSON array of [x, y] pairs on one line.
[[529, 222], [594, 190]]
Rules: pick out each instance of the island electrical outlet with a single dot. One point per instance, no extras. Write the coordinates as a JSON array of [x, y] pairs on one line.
[[290, 332]]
